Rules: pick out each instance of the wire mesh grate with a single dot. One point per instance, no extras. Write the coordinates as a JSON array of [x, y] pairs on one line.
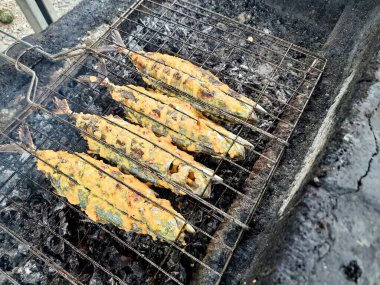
[[67, 245]]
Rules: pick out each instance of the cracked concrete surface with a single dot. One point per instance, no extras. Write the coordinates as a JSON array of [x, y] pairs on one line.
[[354, 185], [362, 132], [333, 235], [373, 127]]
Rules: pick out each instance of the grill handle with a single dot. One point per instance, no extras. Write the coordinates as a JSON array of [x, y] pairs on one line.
[[21, 67], [80, 50], [76, 51]]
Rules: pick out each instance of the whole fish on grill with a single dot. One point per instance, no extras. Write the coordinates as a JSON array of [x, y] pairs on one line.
[[134, 143], [171, 117], [163, 70], [92, 185]]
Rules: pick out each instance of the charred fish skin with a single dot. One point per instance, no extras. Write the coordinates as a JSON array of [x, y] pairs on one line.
[[171, 117], [198, 83], [140, 152], [107, 200]]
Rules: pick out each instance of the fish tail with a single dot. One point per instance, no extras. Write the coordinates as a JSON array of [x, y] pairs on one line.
[[117, 46], [117, 39], [62, 107], [26, 142], [11, 148]]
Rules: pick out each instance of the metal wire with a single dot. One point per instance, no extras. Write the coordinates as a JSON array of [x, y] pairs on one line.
[[168, 13]]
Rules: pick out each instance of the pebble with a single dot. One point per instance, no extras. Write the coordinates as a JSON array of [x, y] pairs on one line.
[[244, 17], [316, 182]]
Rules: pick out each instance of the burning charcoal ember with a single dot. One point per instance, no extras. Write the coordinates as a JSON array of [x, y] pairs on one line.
[[171, 117], [134, 141], [199, 83]]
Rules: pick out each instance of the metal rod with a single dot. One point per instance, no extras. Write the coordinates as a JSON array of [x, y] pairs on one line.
[[33, 14], [41, 255], [169, 15], [210, 36]]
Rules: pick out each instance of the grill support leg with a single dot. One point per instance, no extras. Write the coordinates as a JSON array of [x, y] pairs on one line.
[[39, 13]]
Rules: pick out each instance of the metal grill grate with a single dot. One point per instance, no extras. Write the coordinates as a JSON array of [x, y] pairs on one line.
[[58, 239]]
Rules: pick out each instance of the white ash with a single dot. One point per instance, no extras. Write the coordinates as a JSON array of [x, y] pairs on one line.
[[31, 273], [5, 174]]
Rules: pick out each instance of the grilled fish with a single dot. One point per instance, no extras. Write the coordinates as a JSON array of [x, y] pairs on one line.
[[144, 146], [162, 70], [106, 200], [94, 186], [171, 117]]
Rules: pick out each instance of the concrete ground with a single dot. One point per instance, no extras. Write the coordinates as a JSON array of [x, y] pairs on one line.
[[354, 182], [20, 26], [333, 236]]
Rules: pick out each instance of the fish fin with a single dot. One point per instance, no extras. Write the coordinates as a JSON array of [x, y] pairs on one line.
[[107, 48], [62, 107], [253, 117], [93, 81], [189, 228], [101, 79], [102, 72]]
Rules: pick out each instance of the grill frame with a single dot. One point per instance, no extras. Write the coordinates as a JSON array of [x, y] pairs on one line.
[[79, 63]]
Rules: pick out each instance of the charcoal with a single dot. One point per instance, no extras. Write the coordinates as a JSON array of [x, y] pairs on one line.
[[6, 263], [56, 245], [30, 207], [33, 272], [96, 279]]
